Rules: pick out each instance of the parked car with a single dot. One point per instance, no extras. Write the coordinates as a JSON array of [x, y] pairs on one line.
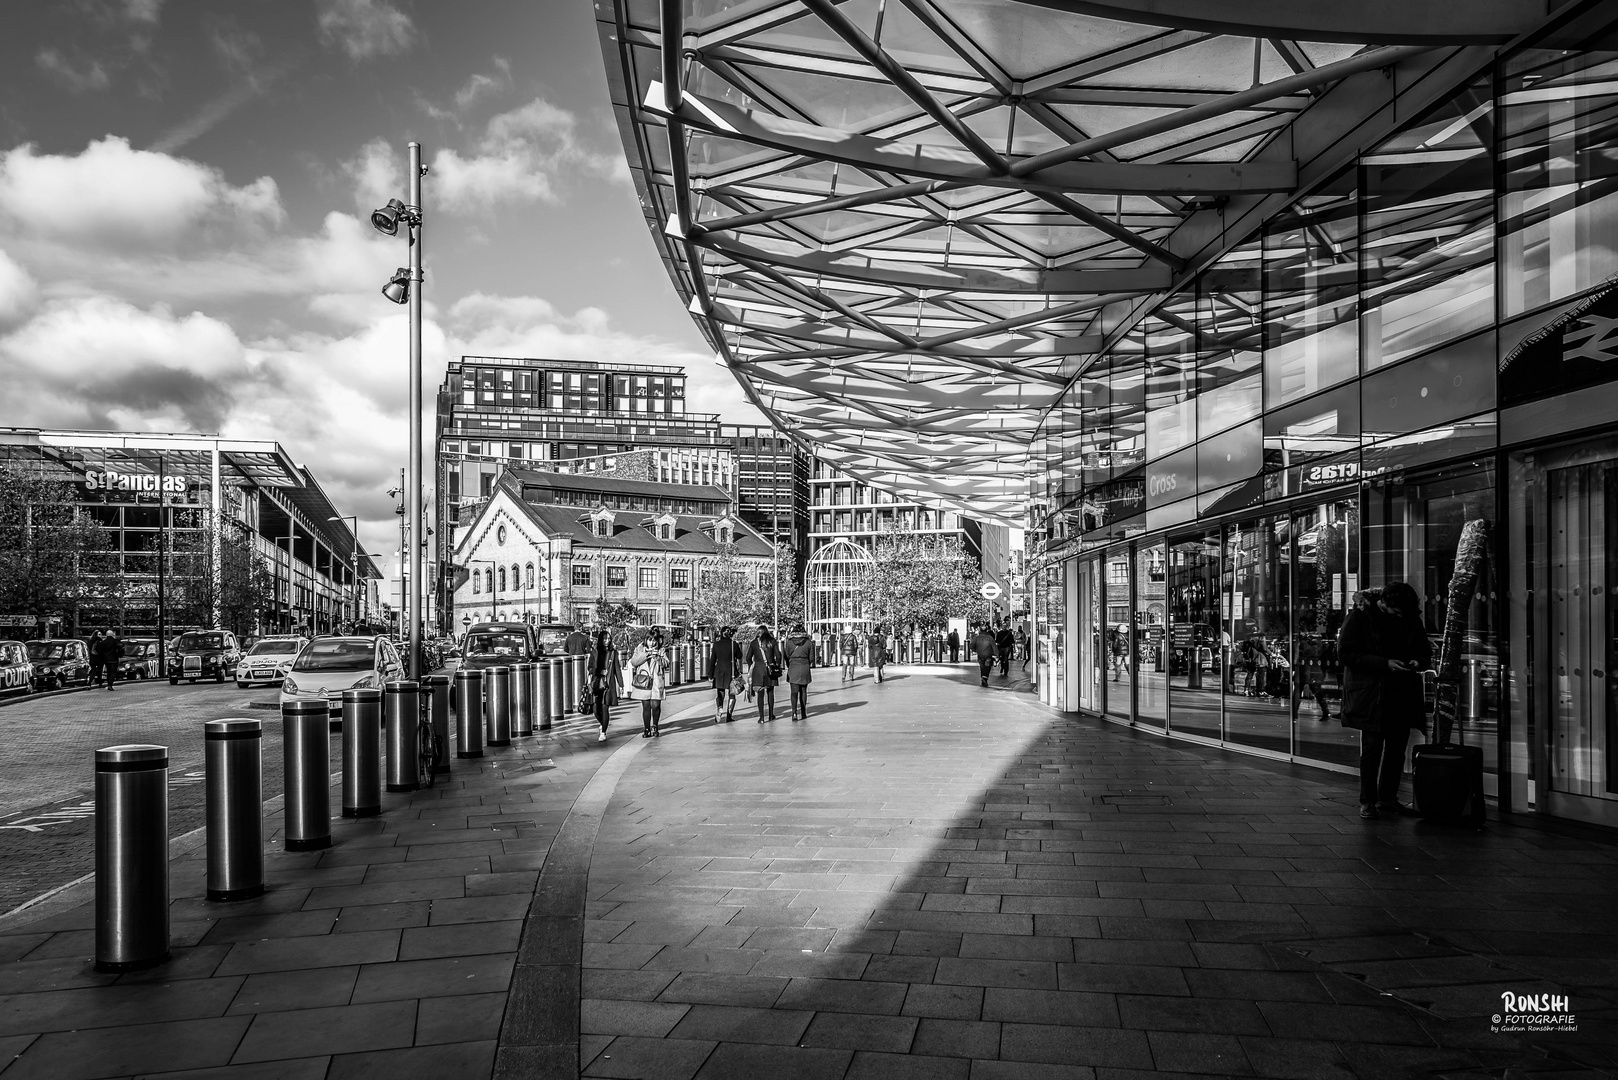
[[268, 660], [139, 658], [59, 662], [493, 644], [16, 670], [329, 665], [203, 654]]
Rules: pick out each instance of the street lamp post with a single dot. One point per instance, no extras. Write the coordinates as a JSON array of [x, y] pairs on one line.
[[405, 287], [353, 564], [543, 579]]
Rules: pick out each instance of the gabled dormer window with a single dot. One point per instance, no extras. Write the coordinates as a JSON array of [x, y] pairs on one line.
[[603, 527], [724, 534], [602, 522], [665, 531]]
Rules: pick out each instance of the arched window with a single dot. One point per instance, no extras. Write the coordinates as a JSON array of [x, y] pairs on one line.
[[530, 575], [488, 579], [724, 535], [516, 576], [477, 581], [667, 534], [503, 585]]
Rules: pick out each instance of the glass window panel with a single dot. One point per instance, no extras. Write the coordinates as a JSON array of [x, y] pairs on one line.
[[1326, 424], [1311, 301], [1255, 647], [1231, 457], [1422, 393], [1120, 634], [1326, 561], [1193, 635], [1559, 206], [1151, 618], [1427, 239]]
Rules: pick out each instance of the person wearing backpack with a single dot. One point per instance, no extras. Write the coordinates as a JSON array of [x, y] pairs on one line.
[[800, 657], [764, 666], [1384, 649]]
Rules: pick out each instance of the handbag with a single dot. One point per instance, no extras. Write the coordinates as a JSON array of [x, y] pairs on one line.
[[642, 679]]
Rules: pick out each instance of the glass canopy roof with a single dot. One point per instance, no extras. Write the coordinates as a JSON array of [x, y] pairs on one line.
[[906, 226]]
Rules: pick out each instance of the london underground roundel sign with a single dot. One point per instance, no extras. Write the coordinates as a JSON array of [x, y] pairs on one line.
[[989, 591]]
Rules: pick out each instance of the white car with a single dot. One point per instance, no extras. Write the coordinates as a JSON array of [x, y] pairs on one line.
[[329, 665], [268, 660]]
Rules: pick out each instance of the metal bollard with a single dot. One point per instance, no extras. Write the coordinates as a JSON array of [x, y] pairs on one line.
[[558, 688], [401, 715], [234, 782], [522, 700], [306, 750], [570, 684], [132, 857], [497, 705], [691, 662], [436, 688], [542, 693], [362, 753], [468, 714], [705, 668]]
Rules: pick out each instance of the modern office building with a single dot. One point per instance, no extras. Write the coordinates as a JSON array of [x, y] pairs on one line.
[[158, 497], [1275, 302], [547, 547], [772, 486], [705, 465]]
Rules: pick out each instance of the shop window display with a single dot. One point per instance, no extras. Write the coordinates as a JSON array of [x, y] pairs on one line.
[[1150, 659], [1194, 653]]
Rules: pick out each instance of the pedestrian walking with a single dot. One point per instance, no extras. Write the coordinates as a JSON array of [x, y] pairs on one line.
[[95, 658], [577, 642], [800, 658], [983, 645], [111, 652], [1022, 646], [604, 672], [1384, 649], [764, 666], [649, 680], [876, 651], [729, 675], [1004, 643], [849, 645], [954, 647]]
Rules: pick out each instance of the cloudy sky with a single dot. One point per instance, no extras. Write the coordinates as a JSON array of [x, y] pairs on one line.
[[184, 201]]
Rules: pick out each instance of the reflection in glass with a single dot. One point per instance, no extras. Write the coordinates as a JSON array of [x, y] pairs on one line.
[[1194, 654], [1150, 660], [1311, 282], [1256, 642], [1326, 560]]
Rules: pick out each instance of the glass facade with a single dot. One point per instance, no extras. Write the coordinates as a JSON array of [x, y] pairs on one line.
[[1378, 387]]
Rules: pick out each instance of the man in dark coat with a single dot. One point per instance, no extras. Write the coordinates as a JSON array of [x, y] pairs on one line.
[[983, 645], [1005, 643], [577, 643], [94, 648], [1384, 649], [954, 647], [111, 651]]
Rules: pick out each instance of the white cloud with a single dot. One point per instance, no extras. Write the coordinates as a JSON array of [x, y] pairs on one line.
[[111, 194], [376, 175], [80, 77], [142, 10], [365, 28], [522, 156], [18, 291]]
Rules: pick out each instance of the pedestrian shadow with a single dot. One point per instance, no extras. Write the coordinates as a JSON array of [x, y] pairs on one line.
[[834, 706]]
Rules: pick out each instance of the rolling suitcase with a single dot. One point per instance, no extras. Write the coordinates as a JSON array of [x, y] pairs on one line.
[[1447, 781]]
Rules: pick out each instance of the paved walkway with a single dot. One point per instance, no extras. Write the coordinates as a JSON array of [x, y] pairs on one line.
[[926, 879]]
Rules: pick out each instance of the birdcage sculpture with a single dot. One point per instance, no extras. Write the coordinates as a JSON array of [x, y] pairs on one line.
[[837, 586]]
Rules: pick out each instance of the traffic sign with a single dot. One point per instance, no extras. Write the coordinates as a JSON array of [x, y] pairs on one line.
[[989, 591]]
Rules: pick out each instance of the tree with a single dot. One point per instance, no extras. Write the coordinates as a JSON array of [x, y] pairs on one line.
[[923, 579], [622, 622], [53, 558], [791, 610], [727, 594], [246, 588]]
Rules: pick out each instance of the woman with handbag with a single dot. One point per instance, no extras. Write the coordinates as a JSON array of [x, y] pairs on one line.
[[604, 673], [764, 664], [800, 657], [648, 681], [729, 680]]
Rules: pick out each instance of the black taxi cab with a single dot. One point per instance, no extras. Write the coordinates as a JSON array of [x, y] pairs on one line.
[[495, 644], [59, 662], [16, 670], [204, 654]]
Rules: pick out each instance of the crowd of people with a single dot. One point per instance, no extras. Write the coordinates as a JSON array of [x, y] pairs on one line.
[[752, 671]]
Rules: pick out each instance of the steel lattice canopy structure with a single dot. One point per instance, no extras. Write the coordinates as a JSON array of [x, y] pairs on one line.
[[907, 226]]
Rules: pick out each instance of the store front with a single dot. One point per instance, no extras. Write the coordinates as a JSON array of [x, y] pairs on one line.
[[1410, 375]]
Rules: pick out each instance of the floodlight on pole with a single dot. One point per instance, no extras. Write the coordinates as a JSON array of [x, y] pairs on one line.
[[405, 288]]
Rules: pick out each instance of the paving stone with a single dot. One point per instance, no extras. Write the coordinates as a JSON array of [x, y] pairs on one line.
[[130, 1049], [649, 1019], [433, 978], [1098, 1047], [464, 1018], [735, 1024], [258, 927], [473, 909], [304, 988], [1202, 1053], [650, 1059], [743, 1061], [958, 1038], [363, 918], [696, 959], [836, 995], [340, 1029], [853, 1032], [416, 1063], [459, 939], [1028, 1070], [698, 988], [624, 985], [296, 953]]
